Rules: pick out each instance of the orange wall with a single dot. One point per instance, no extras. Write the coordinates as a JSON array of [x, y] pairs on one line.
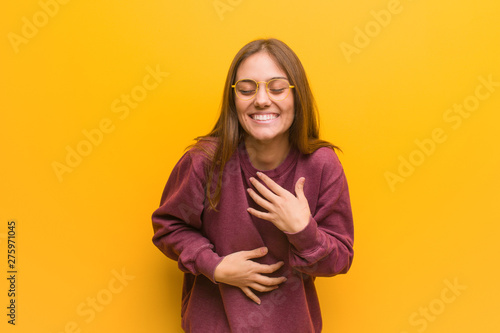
[[99, 99]]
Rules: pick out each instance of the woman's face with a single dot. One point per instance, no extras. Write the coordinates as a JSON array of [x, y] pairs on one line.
[[262, 118]]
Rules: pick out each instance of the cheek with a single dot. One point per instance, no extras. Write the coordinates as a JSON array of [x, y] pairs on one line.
[[240, 110], [239, 107], [290, 111], [290, 104], [242, 117]]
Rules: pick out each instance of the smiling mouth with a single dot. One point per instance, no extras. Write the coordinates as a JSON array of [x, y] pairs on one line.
[[264, 117]]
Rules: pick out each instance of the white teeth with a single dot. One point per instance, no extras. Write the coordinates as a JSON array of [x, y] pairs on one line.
[[264, 116]]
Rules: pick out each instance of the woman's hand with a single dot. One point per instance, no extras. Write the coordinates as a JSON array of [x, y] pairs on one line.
[[238, 270], [287, 212]]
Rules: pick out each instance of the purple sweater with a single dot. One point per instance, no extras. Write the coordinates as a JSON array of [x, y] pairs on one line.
[[198, 238]]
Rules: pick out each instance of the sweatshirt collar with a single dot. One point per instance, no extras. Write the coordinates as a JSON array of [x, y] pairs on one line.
[[289, 161]]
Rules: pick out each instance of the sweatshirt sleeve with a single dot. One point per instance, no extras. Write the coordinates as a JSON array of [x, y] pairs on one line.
[[177, 222], [325, 246]]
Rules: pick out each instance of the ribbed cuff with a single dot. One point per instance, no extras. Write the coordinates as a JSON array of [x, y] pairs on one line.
[[206, 262], [306, 240]]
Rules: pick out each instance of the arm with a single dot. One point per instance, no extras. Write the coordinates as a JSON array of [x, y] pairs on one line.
[[177, 234], [325, 246], [177, 222], [321, 243]]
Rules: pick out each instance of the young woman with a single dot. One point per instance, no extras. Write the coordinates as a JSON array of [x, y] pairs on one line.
[[259, 207]]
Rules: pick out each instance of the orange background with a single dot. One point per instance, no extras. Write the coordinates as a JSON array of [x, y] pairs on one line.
[[388, 76]]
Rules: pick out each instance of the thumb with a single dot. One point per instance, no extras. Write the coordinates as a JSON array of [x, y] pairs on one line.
[[256, 253], [299, 188]]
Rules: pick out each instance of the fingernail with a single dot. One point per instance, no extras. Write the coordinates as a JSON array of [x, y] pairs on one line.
[[259, 173]]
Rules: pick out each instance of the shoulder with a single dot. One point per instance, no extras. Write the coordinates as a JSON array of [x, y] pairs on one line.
[[323, 164], [326, 154], [323, 157], [199, 156], [201, 153]]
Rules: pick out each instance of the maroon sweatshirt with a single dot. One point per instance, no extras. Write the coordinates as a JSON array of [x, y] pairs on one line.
[[198, 238]]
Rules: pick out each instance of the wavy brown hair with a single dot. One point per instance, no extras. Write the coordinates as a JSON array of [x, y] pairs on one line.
[[227, 134]]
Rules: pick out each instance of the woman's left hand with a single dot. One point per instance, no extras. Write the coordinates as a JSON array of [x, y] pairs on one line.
[[287, 212]]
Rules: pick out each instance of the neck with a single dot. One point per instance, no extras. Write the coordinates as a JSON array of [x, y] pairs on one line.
[[267, 155]]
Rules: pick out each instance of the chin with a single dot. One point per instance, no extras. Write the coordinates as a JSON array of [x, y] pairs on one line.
[[264, 137]]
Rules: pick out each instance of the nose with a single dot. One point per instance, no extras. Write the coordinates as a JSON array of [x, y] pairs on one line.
[[262, 99]]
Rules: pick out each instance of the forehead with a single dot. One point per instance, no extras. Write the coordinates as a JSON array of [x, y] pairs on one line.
[[260, 67]]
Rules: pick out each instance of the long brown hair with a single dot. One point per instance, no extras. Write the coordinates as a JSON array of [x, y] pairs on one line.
[[224, 138]]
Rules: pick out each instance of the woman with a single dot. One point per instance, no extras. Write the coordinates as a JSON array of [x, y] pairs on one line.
[[259, 207]]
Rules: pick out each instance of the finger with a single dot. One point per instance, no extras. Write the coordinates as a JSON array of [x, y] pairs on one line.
[[262, 288], [259, 214], [259, 200], [255, 253], [269, 282], [264, 191], [271, 184], [299, 188], [250, 294], [268, 269]]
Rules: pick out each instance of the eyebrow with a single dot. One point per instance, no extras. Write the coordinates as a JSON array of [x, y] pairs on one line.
[[275, 77]]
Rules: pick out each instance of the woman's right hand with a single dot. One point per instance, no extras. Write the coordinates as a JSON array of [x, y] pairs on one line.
[[238, 270]]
